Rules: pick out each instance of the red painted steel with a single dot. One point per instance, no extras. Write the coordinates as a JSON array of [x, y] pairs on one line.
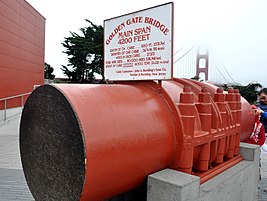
[[22, 36], [204, 56], [133, 137], [219, 169], [211, 121], [133, 129]]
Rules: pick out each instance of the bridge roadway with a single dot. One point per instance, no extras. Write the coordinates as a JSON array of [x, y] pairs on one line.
[[13, 186]]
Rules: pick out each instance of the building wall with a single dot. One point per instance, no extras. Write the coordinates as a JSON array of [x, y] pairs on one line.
[[22, 37]]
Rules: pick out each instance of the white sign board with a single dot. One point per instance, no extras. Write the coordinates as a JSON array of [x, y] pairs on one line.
[[139, 46]]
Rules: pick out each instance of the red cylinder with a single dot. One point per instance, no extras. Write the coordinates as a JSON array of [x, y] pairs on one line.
[[92, 142], [125, 133], [175, 88], [247, 120]]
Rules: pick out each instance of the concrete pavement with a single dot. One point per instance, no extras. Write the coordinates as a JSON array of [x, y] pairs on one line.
[[263, 181], [13, 186]]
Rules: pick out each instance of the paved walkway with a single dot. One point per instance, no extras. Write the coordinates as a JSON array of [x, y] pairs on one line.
[[263, 181], [13, 186]]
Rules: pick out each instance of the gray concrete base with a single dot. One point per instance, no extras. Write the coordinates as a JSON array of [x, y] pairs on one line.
[[239, 182]]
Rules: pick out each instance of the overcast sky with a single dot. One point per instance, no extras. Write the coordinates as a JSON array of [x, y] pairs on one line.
[[236, 30]]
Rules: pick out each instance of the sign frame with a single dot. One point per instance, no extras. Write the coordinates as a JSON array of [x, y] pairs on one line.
[[147, 56]]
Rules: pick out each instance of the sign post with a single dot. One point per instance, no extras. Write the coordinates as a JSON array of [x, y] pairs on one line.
[[139, 45]]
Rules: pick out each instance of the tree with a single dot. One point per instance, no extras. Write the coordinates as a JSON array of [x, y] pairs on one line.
[[85, 53], [249, 92], [48, 71], [197, 78]]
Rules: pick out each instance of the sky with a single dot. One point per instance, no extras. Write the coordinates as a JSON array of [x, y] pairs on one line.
[[235, 30]]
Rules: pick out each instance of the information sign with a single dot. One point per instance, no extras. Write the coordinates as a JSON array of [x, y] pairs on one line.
[[139, 45]]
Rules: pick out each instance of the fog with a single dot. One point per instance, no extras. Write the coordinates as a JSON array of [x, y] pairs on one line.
[[235, 31]]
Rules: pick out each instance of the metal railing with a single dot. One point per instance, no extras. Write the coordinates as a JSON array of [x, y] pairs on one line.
[[13, 97]]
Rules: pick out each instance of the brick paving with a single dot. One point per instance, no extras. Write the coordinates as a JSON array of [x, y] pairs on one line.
[[13, 186]]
